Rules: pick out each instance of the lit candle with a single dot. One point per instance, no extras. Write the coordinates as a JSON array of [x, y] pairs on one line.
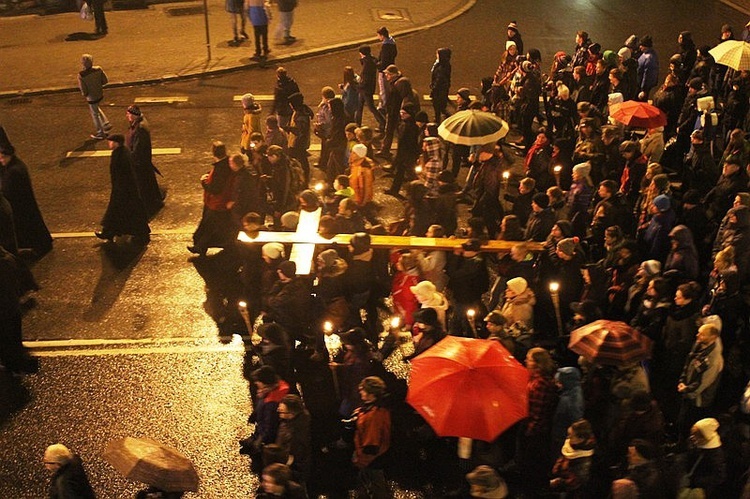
[[327, 327], [554, 287], [319, 186], [418, 169], [395, 322], [471, 313], [242, 304]]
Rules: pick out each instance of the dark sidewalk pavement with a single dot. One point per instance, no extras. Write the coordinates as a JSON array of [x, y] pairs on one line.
[[154, 44]]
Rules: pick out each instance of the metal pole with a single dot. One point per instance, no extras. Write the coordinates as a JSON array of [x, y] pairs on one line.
[[208, 36]]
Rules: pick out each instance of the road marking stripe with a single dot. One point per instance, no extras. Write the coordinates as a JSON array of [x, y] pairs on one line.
[[260, 97], [64, 235], [450, 97], [141, 351], [123, 341], [158, 100], [107, 153]]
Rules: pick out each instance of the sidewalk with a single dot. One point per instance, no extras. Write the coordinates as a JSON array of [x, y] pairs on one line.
[[154, 44]]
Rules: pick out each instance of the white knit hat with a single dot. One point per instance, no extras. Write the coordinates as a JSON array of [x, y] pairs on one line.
[[273, 250], [708, 427], [423, 290], [360, 150], [518, 285]]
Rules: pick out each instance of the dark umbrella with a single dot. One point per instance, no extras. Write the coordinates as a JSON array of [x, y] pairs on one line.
[[611, 343]]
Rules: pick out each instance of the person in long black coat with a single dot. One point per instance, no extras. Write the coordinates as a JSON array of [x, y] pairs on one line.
[[13, 355], [15, 185], [125, 212], [138, 140]]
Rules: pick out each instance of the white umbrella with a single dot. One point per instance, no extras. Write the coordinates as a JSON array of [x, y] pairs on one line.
[[732, 53], [473, 128]]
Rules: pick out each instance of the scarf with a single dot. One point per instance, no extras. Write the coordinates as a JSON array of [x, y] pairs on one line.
[[568, 452]]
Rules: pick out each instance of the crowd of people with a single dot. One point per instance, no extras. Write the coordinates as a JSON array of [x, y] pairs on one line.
[[647, 229]]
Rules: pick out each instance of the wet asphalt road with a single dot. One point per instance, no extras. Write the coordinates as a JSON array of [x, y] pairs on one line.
[[180, 384]]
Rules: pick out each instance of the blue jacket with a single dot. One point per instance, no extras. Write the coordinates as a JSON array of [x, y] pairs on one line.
[[648, 70], [257, 13], [570, 407]]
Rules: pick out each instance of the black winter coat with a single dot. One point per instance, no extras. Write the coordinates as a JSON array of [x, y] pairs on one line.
[[125, 212], [15, 184]]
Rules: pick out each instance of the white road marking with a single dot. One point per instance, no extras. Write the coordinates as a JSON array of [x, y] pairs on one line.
[[450, 97], [159, 151], [160, 100], [67, 235], [124, 346], [260, 97]]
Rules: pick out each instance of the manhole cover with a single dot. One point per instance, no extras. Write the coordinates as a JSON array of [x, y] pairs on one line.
[[393, 14], [185, 11]]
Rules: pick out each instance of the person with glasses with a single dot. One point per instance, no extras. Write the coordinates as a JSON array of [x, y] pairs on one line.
[[68, 476]]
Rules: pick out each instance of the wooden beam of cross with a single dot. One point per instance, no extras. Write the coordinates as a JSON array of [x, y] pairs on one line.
[[304, 240]]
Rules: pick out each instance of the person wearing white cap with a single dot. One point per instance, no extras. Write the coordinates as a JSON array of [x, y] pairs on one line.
[[579, 198], [518, 306], [361, 178], [706, 464], [429, 297], [68, 476]]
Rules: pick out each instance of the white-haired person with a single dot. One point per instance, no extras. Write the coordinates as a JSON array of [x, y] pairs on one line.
[[68, 476]]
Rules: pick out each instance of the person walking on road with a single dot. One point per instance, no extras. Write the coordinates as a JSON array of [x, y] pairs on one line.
[[285, 87], [68, 476], [138, 140], [15, 185], [366, 87], [125, 213], [387, 57], [214, 229], [91, 81]]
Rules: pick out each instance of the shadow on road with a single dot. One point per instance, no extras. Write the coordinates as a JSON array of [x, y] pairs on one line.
[[13, 394], [81, 36], [117, 261], [223, 290]]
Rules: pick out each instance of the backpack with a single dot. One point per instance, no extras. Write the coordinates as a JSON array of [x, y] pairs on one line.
[[297, 182]]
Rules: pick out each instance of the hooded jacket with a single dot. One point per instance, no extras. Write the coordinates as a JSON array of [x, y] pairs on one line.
[[570, 406], [683, 260], [441, 75]]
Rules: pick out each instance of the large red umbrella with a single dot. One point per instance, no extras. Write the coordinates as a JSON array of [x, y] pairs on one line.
[[467, 387], [611, 343], [638, 114]]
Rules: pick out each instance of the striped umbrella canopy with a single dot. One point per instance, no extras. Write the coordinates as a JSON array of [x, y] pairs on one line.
[[611, 343], [638, 114], [732, 53], [473, 128]]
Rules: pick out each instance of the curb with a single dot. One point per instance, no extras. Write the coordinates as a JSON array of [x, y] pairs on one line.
[[289, 57], [745, 10]]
